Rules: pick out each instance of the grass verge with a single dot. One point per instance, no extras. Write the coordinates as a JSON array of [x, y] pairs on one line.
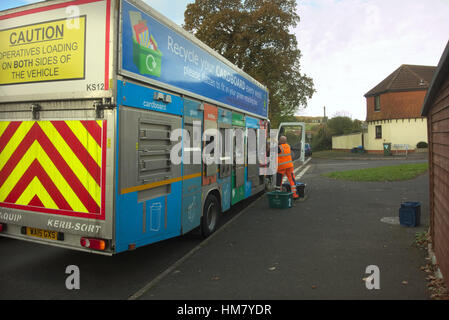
[[388, 173]]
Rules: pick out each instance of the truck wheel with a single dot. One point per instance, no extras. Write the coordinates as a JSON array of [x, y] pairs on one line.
[[211, 213]]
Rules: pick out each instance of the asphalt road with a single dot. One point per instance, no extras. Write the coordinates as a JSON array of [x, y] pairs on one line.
[[319, 249], [307, 252], [33, 271]]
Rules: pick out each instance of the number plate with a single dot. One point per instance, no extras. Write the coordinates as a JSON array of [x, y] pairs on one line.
[[43, 234]]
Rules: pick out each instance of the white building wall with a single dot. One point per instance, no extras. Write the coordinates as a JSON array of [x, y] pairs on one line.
[[396, 132], [346, 142]]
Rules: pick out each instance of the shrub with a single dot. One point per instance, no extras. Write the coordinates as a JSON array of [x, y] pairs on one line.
[[422, 145]]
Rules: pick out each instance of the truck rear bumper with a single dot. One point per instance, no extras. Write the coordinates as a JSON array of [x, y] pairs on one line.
[[70, 241], [59, 231]]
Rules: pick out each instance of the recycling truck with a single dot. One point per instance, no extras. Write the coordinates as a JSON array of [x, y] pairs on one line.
[[90, 93]]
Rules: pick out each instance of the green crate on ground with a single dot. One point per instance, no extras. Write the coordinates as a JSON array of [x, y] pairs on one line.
[[280, 200]]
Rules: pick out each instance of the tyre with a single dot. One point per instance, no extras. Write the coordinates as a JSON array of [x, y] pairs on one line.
[[211, 214]]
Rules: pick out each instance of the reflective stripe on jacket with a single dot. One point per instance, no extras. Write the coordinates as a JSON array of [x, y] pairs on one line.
[[284, 157]]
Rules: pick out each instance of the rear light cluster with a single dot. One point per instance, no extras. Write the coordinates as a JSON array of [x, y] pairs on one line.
[[2, 227], [95, 244]]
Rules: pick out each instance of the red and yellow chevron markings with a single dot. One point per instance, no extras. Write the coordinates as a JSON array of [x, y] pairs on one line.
[[53, 167]]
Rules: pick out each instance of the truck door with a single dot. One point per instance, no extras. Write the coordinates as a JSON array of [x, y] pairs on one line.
[[225, 149], [239, 158], [262, 152], [296, 137], [192, 165], [210, 139], [252, 168]]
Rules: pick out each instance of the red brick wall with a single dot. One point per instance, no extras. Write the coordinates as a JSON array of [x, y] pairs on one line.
[[438, 122], [396, 105]]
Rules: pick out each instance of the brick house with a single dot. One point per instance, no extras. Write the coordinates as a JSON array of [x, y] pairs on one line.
[[394, 110], [436, 109]]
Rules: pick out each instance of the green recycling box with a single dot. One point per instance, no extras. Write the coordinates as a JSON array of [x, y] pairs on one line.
[[147, 60], [280, 200]]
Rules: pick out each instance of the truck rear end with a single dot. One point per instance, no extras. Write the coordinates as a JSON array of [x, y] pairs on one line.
[[57, 124]]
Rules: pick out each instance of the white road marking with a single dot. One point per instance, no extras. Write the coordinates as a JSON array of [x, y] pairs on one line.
[[305, 162], [299, 176], [284, 180]]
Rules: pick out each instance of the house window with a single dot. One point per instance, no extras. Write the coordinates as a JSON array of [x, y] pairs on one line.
[[377, 103], [378, 132]]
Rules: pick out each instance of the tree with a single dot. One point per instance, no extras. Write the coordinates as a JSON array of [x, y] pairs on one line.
[[343, 125], [255, 36], [322, 140]]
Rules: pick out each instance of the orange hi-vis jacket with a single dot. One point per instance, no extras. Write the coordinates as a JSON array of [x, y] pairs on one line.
[[284, 157]]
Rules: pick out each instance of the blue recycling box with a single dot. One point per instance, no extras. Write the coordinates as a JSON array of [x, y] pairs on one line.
[[300, 189], [410, 214]]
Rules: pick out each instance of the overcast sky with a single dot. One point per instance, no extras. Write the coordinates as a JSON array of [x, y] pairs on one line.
[[349, 46]]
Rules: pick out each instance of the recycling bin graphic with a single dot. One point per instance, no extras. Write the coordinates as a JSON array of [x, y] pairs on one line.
[[146, 54], [147, 61]]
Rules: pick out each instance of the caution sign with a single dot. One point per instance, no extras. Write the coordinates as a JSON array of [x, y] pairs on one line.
[[47, 51]]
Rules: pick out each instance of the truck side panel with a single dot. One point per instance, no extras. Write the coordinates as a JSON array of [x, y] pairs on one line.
[[149, 187]]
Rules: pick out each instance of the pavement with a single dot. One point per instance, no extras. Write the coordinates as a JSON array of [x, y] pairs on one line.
[[317, 250]]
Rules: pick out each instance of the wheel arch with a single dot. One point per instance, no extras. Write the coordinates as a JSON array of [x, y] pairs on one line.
[[216, 192]]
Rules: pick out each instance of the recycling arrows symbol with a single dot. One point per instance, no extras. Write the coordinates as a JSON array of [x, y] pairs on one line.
[[152, 65]]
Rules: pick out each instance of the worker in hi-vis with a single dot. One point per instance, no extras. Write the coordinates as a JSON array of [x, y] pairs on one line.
[[285, 166]]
